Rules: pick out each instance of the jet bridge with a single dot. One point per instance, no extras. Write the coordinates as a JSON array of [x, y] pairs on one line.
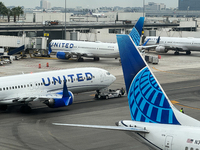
[[16, 44]]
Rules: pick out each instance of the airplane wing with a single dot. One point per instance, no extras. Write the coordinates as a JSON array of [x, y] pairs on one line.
[[138, 130], [36, 97]]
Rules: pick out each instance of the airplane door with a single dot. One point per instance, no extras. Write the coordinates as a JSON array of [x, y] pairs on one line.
[[101, 77], [168, 143]]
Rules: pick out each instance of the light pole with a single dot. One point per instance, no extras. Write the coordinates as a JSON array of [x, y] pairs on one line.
[[143, 7], [65, 20]]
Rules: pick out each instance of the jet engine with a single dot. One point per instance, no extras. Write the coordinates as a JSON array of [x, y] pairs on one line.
[[60, 102], [62, 55], [161, 49]]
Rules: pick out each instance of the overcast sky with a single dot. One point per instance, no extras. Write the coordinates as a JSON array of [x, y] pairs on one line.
[[88, 3]]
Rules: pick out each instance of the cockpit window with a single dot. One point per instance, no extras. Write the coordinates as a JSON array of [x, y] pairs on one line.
[[108, 73]]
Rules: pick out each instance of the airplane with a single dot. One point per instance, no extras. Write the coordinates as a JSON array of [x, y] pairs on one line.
[[98, 14], [50, 87], [154, 122], [176, 44], [66, 49]]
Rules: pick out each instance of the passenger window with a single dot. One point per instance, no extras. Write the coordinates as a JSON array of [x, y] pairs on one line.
[[13, 87], [21, 86], [24, 86], [69, 80], [191, 148], [18, 86], [36, 84], [31, 85], [186, 148], [7, 88], [0, 89], [39, 84], [27, 85], [52, 82], [4, 89], [197, 149]]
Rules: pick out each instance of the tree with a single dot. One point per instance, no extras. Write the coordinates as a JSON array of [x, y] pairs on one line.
[[9, 13], [3, 9], [17, 11]]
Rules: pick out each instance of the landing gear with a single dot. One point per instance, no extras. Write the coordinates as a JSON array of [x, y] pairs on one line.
[[188, 52], [3, 107], [80, 59], [25, 109], [96, 58], [176, 53]]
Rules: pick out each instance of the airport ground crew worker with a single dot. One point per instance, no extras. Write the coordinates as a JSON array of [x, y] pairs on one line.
[[181, 110]]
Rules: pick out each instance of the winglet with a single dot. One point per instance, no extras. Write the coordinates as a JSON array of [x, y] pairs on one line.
[[146, 42], [136, 32], [65, 90], [158, 41], [50, 50]]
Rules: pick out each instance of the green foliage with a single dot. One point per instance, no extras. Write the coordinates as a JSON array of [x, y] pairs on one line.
[[16, 11]]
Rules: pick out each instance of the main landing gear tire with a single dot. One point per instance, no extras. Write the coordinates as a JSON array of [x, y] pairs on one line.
[[188, 52], [176, 53], [3, 107], [80, 59], [96, 58], [25, 109]]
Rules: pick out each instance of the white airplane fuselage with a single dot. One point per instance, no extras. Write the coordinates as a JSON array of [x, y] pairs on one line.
[[88, 49], [40, 84], [176, 43], [175, 137]]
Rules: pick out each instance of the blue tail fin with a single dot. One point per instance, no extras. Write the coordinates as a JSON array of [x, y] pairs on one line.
[[136, 32], [147, 100]]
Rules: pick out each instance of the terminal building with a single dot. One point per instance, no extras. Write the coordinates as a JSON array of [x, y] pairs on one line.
[[189, 5]]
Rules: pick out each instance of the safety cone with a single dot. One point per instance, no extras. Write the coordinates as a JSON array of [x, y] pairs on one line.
[[47, 64], [39, 65]]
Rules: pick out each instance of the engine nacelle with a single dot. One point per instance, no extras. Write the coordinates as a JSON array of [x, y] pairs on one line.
[[161, 49], [55, 103], [62, 55]]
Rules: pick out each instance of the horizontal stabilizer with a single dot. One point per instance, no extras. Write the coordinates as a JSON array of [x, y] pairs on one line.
[[105, 127]]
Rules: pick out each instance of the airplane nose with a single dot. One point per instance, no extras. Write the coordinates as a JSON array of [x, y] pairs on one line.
[[113, 78]]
